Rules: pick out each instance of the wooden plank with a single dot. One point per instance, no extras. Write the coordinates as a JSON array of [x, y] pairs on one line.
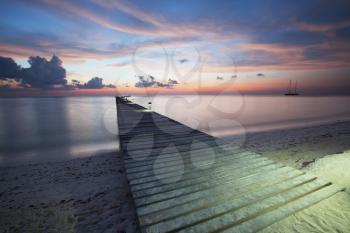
[[219, 191], [143, 140], [204, 181], [210, 184], [187, 175], [166, 173], [215, 218], [200, 156], [169, 162], [168, 128], [212, 200], [148, 153], [193, 143], [160, 135], [203, 176], [150, 125]]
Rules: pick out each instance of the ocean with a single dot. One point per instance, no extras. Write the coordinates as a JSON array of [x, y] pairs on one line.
[[60, 128]]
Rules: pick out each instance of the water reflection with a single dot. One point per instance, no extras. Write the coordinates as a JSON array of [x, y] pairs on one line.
[[46, 129]]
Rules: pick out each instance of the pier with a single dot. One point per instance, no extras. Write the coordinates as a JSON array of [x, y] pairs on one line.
[[184, 180]]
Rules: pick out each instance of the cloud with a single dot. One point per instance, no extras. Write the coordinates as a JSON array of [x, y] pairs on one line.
[[110, 86], [119, 65], [219, 78], [43, 73], [334, 13], [344, 33], [154, 26], [172, 82], [183, 60], [327, 53], [132, 11], [8, 68], [285, 30], [145, 82], [150, 81], [21, 44], [97, 83], [93, 83], [324, 27], [260, 75], [84, 12], [9, 84], [291, 37]]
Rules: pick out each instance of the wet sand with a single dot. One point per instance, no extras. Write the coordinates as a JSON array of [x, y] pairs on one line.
[[92, 195]]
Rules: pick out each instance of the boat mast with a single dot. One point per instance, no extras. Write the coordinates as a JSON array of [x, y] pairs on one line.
[[295, 87], [290, 87]]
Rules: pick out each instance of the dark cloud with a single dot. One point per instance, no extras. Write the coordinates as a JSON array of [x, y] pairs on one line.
[[8, 68], [260, 75], [110, 86], [291, 37], [344, 33], [43, 73], [183, 60], [327, 54], [93, 83], [150, 81], [322, 12], [258, 58], [24, 38], [75, 82], [219, 78], [172, 82], [146, 82]]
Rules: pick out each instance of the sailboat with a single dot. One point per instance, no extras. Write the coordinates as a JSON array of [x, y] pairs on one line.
[[290, 89]]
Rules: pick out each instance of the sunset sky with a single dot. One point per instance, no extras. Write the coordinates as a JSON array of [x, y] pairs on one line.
[[188, 46]]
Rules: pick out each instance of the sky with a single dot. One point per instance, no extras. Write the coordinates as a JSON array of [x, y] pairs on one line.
[[178, 47]]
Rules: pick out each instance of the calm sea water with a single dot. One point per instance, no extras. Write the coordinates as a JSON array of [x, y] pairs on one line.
[[50, 129], [46, 129]]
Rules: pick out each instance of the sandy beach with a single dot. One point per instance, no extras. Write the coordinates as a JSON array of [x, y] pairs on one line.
[[91, 194], [80, 195]]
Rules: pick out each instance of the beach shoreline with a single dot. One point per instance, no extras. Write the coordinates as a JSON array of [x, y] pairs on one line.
[[92, 194]]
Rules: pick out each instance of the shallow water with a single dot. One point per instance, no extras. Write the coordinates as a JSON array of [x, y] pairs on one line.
[[50, 129]]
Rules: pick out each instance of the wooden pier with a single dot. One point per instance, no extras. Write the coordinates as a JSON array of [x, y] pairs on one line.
[[183, 180]]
